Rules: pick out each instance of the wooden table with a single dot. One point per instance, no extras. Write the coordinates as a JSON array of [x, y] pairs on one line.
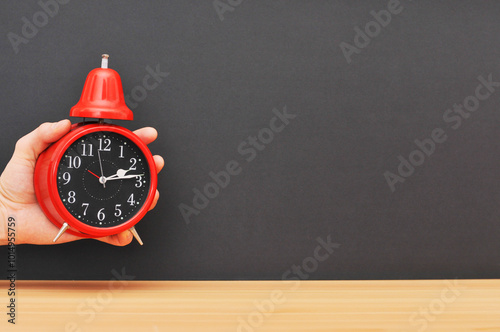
[[244, 306]]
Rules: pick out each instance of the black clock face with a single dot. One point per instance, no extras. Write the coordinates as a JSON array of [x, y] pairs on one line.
[[103, 179]]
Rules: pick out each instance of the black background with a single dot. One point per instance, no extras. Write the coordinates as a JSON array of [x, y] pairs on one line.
[[321, 176]]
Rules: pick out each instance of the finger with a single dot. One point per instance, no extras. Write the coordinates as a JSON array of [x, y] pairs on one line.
[[120, 239], [155, 200], [31, 145], [46, 236], [159, 162], [147, 134]]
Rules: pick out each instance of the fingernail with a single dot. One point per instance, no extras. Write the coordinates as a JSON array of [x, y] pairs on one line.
[[57, 125]]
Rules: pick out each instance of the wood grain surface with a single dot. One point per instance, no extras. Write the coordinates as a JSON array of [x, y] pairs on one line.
[[151, 306]]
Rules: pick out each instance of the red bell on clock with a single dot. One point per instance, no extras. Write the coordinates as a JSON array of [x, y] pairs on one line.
[[99, 179], [102, 96]]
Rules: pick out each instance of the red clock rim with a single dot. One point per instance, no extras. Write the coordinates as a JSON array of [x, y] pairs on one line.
[[56, 199]]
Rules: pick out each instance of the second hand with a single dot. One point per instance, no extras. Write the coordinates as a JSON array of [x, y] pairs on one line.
[[97, 176]]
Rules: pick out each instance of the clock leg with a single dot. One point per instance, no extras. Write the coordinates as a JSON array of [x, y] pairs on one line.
[[61, 232], [136, 235]]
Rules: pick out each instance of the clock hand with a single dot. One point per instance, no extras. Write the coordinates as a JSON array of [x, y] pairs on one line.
[[131, 176], [94, 174], [119, 173], [102, 178]]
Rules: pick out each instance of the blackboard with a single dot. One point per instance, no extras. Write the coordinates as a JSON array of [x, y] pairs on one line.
[[363, 136]]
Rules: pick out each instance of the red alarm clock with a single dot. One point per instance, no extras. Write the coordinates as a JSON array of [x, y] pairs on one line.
[[99, 179]]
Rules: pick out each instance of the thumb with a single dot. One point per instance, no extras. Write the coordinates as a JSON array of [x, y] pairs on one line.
[[31, 145]]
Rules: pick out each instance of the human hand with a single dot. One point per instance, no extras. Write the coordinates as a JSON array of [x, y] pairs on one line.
[[17, 192]]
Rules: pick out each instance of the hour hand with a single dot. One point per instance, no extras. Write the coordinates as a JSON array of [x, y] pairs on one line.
[[131, 176], [120, 174]]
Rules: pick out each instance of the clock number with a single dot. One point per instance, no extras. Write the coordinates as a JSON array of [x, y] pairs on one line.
[[75, 162], [84, 153], [138, 184], [107, 144], [85, 206], [133, 161], [118, 212], [131, 200], [121, 152], [101, 215], [66, 177], [71, 197]]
